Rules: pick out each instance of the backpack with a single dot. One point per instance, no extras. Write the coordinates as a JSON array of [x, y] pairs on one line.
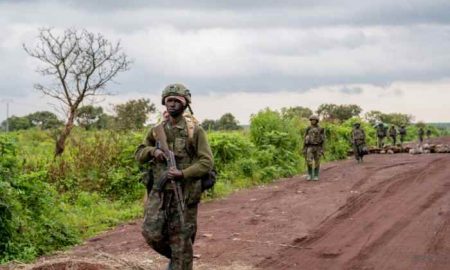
[[209, 179]]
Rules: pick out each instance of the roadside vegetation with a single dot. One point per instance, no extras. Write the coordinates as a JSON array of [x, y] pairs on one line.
[[50, 202]]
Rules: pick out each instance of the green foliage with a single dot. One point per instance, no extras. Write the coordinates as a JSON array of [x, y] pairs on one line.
[[44, 120], [209, 124], [99, 161], [340, 113], [31, 220], [90, 117], [17, 123], [225, 122], [41, 120], [397, 119], [296, 112], [133, 114]]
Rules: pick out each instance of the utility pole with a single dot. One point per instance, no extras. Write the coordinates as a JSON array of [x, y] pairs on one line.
[[7, 101]]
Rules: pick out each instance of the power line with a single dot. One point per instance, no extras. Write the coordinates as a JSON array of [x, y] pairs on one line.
[[7, 101]]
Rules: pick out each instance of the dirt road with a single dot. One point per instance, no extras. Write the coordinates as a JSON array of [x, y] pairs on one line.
[[391, 212]]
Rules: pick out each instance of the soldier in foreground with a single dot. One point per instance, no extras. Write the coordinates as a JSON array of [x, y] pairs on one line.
[[381, 134], [402, 132], [393, 135], [358, 137], [179, 155], [313, 147]]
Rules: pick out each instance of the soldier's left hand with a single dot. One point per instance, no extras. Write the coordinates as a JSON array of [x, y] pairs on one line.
[[175, 174]]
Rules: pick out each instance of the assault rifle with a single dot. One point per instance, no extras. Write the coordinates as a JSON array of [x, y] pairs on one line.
[[161, 144]]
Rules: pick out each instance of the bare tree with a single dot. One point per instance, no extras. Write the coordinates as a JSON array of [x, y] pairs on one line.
[[79, 64]]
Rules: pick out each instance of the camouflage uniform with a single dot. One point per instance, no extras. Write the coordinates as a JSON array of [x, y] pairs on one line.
[[428, 134], [420, 133], [381, 134], [358, 137], [162, 228], [313, 148], [393, 135], [402, 132]]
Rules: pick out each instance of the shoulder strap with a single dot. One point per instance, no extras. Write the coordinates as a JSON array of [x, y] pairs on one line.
[[160, 136], [191, 124]]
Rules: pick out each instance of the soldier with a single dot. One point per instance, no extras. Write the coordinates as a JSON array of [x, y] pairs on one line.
[[313, 147], [402, 132], [166, 229], [358, 137], [393, 134], [381, 134], [420, 134], [428, 134]]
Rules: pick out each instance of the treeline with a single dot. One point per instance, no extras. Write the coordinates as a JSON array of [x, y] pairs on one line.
[[130, 115]]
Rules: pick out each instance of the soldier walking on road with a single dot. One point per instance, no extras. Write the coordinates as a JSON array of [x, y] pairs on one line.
[[168, 228], [402, 132], [393, 135], [381, 134], [358, 137], [313, 147], [420, 134], [428, 133]]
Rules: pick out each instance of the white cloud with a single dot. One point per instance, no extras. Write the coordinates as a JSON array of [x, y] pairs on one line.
[[232, 52]]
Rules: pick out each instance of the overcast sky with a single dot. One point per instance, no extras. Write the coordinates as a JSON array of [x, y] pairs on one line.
[[242, 56]]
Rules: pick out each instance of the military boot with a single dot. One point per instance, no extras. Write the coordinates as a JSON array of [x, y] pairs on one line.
[[316, 174], [310, 174]]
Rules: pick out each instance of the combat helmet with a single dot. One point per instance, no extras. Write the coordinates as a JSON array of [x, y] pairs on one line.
[[314, 117], [176, 89]]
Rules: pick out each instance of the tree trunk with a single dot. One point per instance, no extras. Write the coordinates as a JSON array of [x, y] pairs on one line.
[[61, 141]]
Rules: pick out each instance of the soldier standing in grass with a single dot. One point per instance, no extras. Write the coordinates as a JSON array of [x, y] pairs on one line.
[[358, 137], [381, 134], [402, 132], [169, 231], [393, 135], [313, 147]]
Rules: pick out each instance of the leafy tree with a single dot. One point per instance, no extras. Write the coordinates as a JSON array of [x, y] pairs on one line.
[[227, 122], [17, 123], [88, 116], [79, 65], [133, 114], [297, 111], [339, 113], [373, 117], [421, 125], [209, 124], [397, 119], [44, 120], [105, 121]]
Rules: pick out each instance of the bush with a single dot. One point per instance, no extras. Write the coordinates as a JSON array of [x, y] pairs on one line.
[[31, 219]]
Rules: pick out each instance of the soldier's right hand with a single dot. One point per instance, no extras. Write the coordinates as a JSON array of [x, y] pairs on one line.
[[159, 155]]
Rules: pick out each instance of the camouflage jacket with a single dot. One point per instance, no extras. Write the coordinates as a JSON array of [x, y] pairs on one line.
[[193, 156], [381, 131], [358, 134], [392, 132], [314, 136]]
